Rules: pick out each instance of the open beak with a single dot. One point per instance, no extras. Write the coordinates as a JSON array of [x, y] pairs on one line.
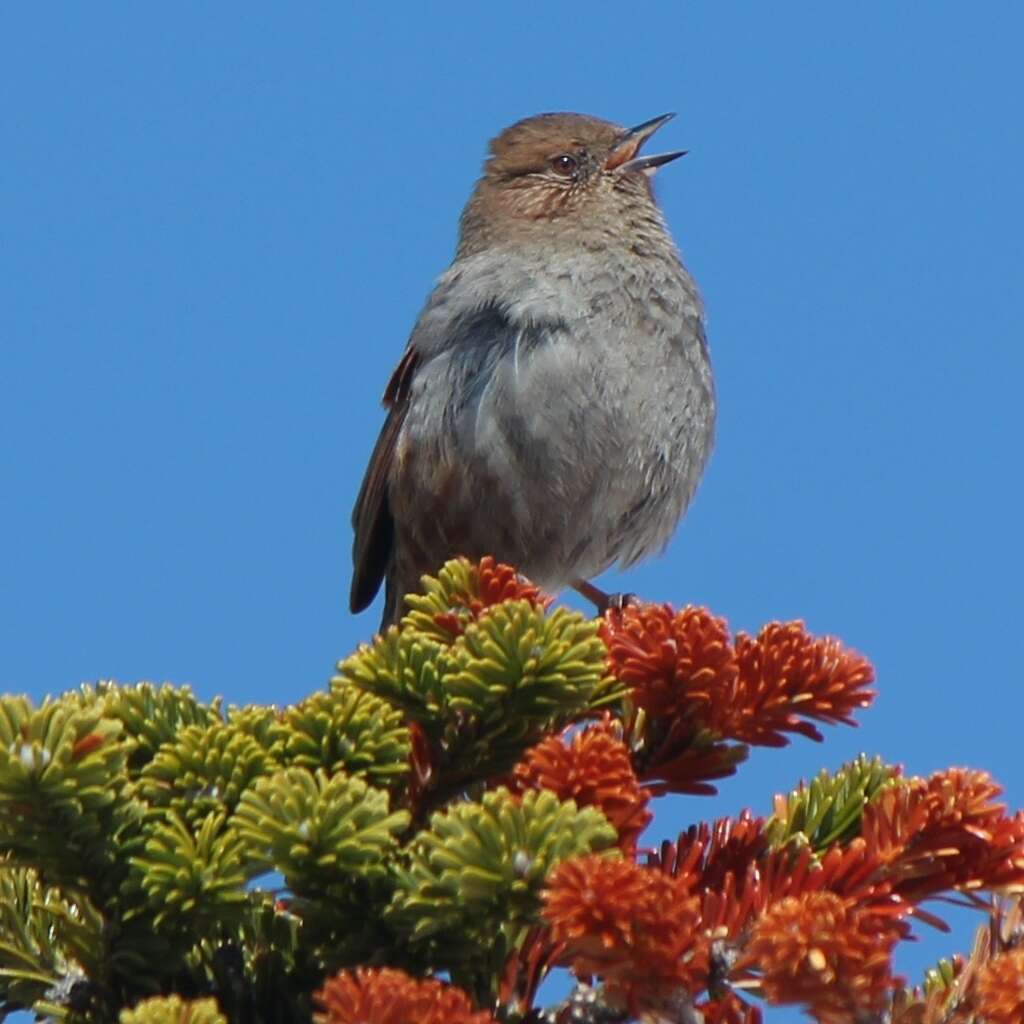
[[623, 156]]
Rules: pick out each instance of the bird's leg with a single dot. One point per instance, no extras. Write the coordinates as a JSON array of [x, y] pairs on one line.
[[600, 600]]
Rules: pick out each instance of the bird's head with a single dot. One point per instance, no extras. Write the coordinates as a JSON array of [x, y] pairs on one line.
[[568, 168]]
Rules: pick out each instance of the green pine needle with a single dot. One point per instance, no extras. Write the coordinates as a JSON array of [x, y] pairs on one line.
[[173, 1010], [191, 876], [318, 830], [829, 809], [346, 729], [204, 770], [481, 866]]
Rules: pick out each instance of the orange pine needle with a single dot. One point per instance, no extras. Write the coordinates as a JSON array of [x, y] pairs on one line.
[[595, 770], [635, 927], [819, 950], [383, 995]]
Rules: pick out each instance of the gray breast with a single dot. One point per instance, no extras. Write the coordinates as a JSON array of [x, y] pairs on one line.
[[578, 429]]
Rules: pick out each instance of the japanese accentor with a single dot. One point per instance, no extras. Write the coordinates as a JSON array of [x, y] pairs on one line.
[[555, 406]]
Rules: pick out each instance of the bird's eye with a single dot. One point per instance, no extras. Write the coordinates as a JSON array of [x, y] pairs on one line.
[[564, 165]]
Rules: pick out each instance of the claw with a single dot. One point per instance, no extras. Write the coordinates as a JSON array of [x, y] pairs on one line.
[[600, 600]]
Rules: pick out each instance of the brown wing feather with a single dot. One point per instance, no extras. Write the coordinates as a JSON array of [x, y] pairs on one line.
[[371, 518]]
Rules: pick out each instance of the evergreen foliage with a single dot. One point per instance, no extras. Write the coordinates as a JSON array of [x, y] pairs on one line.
[[458, 811]]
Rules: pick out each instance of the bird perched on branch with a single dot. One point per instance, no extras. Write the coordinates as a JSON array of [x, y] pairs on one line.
[[555, 405]]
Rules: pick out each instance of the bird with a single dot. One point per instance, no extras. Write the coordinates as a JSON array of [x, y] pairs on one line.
[[555, 405]]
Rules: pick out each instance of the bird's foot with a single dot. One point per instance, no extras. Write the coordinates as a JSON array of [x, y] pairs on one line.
[[600, 600]]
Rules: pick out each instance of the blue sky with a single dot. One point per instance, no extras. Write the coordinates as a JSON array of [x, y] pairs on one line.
[[218, 227]]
